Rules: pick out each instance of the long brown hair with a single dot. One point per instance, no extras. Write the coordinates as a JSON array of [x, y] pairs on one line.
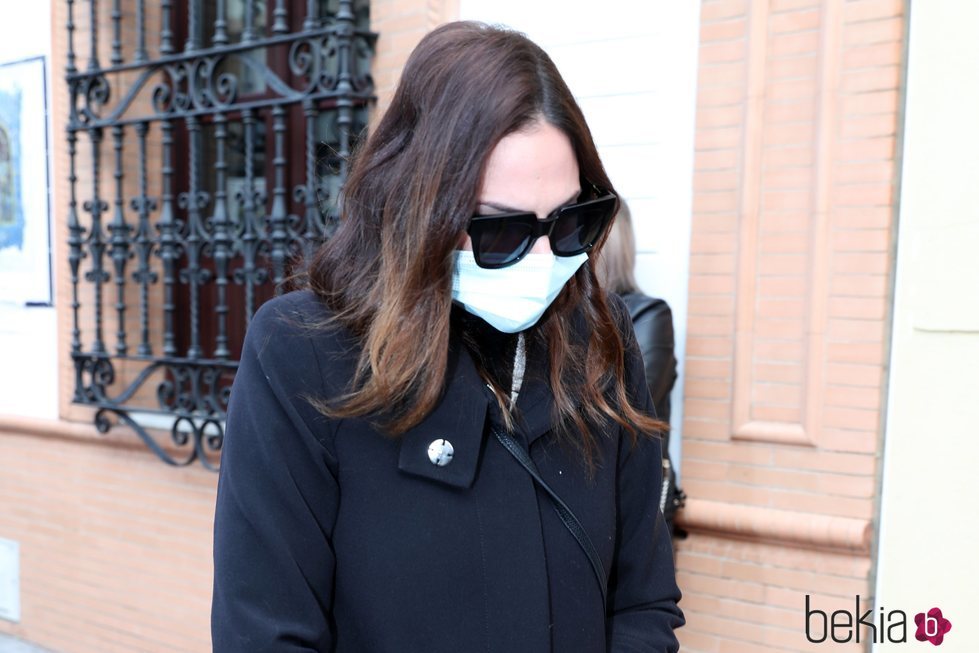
[[386, 274]]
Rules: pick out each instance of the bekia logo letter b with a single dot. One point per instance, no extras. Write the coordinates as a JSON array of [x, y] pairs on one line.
[[932, 626]]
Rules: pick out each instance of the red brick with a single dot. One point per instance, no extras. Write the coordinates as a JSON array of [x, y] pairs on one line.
[[734, 28], [861, 240], [711, 283], [721, 74], [719, 96], [765, 413], [790, 133], [789, 287], [784, 243], [779, 308], [778, 372], [716, 222], [780, 264], [851, 440], [794, 21], [867, 309], [879, 194], [777, 6], [792, 111], [854, 330], [710, 347], [791, 90], [712, 243], [858, 285], [862, 126], [774, 157], [863, 217], [785, 222], [712, 117], [851, 173], [706, 429], [708, 368], [878, 31], [706, 305], [710, 325], [781, 200], [723, 51], [866, 149], [804, 66], [722, 138], [776, 394], [716, 11], [779, 329], [849, 396], [867, 353], [778, 351], [861, 10], [710, 181], [707, 160], [876, 102], [791, 44], [878, 78], [715, 202], [843, 463], [786, 178], [854, 375]]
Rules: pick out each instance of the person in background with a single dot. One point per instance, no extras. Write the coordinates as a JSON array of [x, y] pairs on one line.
[[652, 320]]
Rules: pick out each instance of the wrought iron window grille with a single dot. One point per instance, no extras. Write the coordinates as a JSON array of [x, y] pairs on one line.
[[224, 158]]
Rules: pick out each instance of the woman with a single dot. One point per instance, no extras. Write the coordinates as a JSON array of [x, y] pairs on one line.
[[652, 321], [372, 495]]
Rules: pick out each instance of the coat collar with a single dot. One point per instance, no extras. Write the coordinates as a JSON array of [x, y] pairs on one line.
[[460, 417]]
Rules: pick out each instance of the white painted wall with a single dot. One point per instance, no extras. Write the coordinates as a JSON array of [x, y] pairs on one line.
[[633, 68], [28, 342], [929, 524]]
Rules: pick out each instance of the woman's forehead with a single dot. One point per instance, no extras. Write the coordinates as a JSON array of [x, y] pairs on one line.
[[533, 169]]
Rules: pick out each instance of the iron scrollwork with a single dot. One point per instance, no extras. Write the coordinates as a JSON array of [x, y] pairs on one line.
[[170, 257]]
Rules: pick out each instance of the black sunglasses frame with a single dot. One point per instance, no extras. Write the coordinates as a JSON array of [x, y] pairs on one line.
[[538, 228]]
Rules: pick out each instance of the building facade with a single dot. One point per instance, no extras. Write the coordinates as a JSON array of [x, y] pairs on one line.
[[765, 150]]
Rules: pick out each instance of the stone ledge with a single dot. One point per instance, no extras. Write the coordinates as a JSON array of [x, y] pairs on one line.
[[773, 525]]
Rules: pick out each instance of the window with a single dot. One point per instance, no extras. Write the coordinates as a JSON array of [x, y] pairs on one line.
[[202, 168]]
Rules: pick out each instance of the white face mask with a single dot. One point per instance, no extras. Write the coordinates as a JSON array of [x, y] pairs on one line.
[[513, 298]]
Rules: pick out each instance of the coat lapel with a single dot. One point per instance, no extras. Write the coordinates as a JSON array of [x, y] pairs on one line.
[[459, 418]]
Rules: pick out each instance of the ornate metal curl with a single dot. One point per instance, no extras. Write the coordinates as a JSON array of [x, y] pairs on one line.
[[194, 394]]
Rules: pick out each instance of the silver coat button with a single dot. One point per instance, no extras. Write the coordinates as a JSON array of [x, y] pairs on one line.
[[440, 452]]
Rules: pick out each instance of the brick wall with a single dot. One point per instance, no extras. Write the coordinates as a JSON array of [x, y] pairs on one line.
[[115, 546], [402, 24], [791, 259]]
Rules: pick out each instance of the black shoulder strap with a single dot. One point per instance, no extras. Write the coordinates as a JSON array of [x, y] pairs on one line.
[[564, 512]]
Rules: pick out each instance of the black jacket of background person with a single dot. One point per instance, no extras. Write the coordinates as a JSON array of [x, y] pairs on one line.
[[653, 323], [652, 320], [331, 537]]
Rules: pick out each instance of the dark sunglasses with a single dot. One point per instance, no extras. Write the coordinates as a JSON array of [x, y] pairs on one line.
[[503, 239]]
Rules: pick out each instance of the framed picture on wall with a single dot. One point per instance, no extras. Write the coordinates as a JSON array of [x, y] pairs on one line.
[[25, 231]]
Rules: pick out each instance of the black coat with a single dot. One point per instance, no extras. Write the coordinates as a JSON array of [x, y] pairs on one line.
[[331, 537]]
